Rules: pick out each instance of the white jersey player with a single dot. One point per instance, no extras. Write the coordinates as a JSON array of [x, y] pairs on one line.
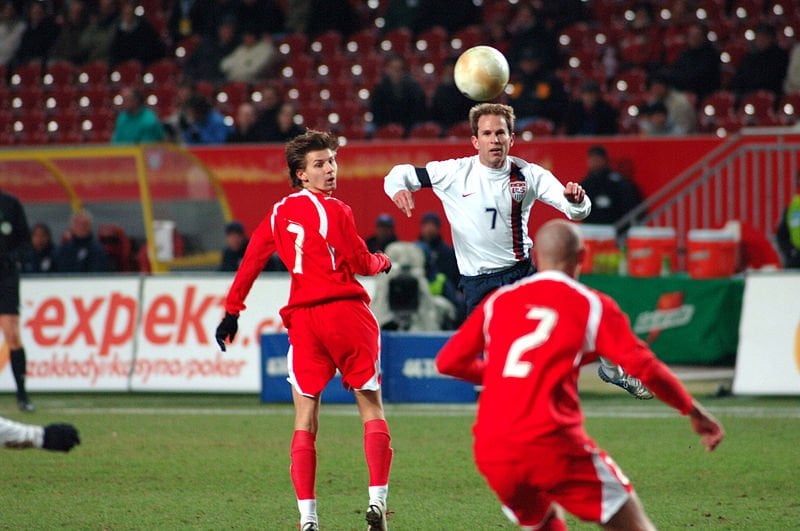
[[487, 199]]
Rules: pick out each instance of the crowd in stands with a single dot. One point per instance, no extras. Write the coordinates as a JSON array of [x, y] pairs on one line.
[[384, 68]]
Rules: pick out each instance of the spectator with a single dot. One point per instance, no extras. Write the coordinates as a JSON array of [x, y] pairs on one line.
[[654, 120], [538, 93], [39, 257], [267, 15], [251, 59], [397, 98], [590, 114], [641, 42], [285, 128], [67, 45], [698, 68], [337, 15], [764, 66], [206, 125], [95, 42], [267, 119], [297, 15], [612, 195], [788, 233], [136, 123], [11, 29], [244, 127], [40, 34], [791, 84], [176, 123], [529, 35], [452, 16], [204, 63], [680, 109], [449, 106], [135, 38], [197, 17], [400, 14], [235, 246], [118, 247], [384, 234], [81, 252]]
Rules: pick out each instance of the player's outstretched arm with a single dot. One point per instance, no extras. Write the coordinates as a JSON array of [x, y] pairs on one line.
[[704, 424], [404, 201]]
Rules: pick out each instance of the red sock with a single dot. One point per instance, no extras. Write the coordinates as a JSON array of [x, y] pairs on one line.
[[377, 451], [304, 464]]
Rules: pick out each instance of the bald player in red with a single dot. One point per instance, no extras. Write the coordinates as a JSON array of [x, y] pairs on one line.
[[530, 443]]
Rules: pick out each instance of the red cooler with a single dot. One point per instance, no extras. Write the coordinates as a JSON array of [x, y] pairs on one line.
[[712, 253], [602, 253], [647, 249]]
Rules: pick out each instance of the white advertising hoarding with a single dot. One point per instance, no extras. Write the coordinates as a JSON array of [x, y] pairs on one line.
[[768, 360], [78, 333]]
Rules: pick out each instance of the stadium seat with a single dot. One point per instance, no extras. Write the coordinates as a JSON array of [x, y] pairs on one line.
[[717, 106], [161, 72], [537, 128], [459, 130], [432, 41], [93, 74], [26, 76], [59, 74], [28, 100], [61, 99], [127, 74], [466, 38], [368, 69], [293, 44], [389, 131], [397, 41], [578, 35], [232, 94], [332, 67], [297, 67], [630, 83], [425, 130], [205, 88], [362, 42], [747, 9], [327, 44], [789, 109], [354, 132], [758, 108], [94, 97], [186, 47]]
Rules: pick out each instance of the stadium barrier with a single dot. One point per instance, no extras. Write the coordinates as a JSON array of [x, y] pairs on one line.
[[156, 333], [768, 361]]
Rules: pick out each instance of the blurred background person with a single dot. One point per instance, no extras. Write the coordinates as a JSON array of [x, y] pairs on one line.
[[39, 257], [764, 66], [398, 97], [235, 246], [176, 123], [67, 45], [244, 129], [612, 194], [95, 41], [654, 121], [40, 33], [267, 109], [205, 124], [538, 93], [135, 38], [589, 113], [81, 251], [441, 268], [251, 58], [788, 232], [136, 123], [285, 127], [680, 109], [384, 234], [448, 105], [11, 29], [698, 68], [205, 62]]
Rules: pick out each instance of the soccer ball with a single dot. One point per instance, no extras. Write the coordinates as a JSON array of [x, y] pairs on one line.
[[481, 73]]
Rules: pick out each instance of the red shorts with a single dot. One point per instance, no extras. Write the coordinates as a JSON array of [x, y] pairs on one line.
[[580, 477], [341, 335]]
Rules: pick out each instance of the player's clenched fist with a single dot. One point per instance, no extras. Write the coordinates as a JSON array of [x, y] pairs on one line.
[[227, 329]]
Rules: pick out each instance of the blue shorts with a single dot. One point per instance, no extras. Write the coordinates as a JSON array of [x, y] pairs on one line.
[[478, 287]]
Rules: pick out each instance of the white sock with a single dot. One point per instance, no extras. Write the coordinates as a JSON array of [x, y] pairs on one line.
[[378, 494], [308, 511], [614, 372]]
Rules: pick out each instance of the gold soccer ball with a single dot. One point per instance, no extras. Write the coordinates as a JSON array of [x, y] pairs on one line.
[[481, 73]]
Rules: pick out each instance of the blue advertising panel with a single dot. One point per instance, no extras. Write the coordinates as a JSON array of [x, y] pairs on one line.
[[274, 370]]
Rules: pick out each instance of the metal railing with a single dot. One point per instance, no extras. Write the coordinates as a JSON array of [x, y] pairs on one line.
[[748, 178]]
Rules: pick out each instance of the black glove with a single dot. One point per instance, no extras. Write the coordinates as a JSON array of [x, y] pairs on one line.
[[60, 437], [227, 329]]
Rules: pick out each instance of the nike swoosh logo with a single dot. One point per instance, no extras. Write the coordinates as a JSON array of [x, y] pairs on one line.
[[469, 194]]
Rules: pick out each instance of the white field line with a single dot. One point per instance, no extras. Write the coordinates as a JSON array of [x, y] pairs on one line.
[[436, 410]]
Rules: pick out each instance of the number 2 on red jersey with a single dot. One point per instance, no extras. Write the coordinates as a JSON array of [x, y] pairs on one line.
[[514, 367]]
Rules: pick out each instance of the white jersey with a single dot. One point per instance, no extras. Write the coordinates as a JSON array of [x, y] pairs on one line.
[[488, 209], [18, 435]]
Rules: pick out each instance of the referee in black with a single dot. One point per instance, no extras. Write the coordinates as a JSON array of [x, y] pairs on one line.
[[15, 237]]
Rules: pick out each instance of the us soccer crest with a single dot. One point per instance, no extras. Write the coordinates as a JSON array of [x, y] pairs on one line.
[[518, 189]]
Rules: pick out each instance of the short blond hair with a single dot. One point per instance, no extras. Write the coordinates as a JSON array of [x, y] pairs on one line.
[[497, 109]]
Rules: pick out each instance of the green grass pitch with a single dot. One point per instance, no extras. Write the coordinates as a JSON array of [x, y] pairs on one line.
[[222, 462]]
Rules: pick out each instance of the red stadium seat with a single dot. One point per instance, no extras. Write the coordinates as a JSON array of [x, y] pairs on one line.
[[185, 48], [95, 73], [537, 128], [326, 44], [432, 41], [630, 83], [459, 130], [466, 38], [332, 67], [128, 73], [26, 76], [62, 99], [425, 130], [362, 42], [205, 88], [397, 41], [232, 94], [293, 44], [59, 74], [164, 71], [297, 67], [389, 131], [28, 100], [93, 98], [758, 108], [789, 109], [717, 106]]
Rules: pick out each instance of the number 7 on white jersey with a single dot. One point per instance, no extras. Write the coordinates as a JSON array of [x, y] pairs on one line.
[[514, 368]]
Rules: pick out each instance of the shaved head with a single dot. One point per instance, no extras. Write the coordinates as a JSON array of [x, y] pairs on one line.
[[559, 246]]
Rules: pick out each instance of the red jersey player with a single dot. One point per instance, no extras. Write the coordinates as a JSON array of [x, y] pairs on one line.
[[530, 443], [328, 318]]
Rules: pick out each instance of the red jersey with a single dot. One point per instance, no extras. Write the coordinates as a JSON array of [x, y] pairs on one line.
[[535, 335], [315, 236]]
